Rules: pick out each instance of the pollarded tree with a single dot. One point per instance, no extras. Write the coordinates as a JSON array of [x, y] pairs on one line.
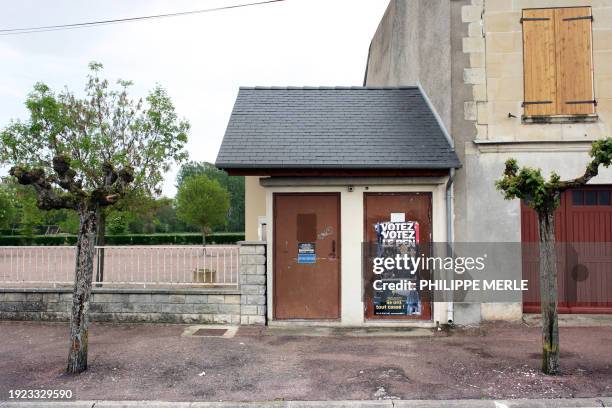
[[203, 202], [544, 197], [84, 154]]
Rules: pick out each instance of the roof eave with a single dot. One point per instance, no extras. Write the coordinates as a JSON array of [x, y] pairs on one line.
[[262, 166]]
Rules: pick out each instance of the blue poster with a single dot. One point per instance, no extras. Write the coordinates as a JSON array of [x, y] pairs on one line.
[[306, 253]]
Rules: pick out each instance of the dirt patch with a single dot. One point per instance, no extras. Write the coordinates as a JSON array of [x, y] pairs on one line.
[[156, 362], [479, 352]]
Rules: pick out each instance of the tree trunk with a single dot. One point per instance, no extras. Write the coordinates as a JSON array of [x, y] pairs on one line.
[[548, 293], [204, 230], [101, 241], [77, 357]]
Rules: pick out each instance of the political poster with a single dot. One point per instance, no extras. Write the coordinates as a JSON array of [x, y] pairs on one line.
[[397, 237]]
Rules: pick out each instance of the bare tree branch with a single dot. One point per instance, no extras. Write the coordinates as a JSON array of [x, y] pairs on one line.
[[115, 185], [591, 171], [66, 176], [47, 198]]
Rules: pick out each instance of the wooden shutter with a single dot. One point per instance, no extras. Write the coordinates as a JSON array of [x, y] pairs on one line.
[[539, 62], [575, 94]]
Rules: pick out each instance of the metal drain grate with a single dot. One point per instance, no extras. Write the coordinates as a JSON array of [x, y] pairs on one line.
[[210, 332]]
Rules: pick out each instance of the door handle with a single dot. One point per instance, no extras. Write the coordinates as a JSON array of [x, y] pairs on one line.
[[333, 254]]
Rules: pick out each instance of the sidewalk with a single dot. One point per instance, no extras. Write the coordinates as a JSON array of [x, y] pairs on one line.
[[158, 363], [523, 403]]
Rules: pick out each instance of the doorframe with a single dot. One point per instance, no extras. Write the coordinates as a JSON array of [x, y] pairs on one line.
[[338, 250], [430, 194]]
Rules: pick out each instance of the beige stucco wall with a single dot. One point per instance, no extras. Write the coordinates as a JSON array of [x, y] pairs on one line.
[[412, 47], [494, 46], [254, 206], [351, 205]]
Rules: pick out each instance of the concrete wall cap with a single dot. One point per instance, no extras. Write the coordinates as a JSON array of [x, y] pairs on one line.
[[252, 243], [202, 291]]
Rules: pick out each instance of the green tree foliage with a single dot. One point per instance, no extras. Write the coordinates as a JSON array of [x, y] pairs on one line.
[[233, 184], [137, 210], [544, 197], [29, 216], [203, 202], [84, 154], [8, 211], [27, 219], [67, 221], [117, 223], [166, 219]]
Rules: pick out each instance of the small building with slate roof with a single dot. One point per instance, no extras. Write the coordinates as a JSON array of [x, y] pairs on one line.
[[335, 177]]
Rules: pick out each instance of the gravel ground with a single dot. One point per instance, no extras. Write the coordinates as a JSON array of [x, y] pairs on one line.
[[154, 362]]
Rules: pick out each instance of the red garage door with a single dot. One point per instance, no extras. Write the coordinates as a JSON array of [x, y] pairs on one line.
[[307, 256], [584, 219]]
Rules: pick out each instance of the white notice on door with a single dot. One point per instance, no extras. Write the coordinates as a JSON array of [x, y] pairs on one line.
[[398, 217]]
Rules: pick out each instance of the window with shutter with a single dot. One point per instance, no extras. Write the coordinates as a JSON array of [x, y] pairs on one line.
[[539, 62], [558, 62]]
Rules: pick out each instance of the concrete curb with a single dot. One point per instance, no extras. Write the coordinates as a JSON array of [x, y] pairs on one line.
[[519, 403]]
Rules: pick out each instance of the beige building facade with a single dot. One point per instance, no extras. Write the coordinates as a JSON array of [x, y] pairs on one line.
[[484, 100], [325, 169], [352, 212], [496, 47], [503, 79], [254, 209]]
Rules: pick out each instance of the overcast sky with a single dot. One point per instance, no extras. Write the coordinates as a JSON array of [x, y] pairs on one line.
[[201, 59]]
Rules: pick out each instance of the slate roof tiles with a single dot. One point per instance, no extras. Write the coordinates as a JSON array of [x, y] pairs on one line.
[[334, 128]]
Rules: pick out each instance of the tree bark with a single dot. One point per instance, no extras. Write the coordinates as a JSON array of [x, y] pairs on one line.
[[548, 292], [77, 357], [100, 241]]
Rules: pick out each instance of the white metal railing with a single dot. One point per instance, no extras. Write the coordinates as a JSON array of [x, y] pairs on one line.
[[123, 266]]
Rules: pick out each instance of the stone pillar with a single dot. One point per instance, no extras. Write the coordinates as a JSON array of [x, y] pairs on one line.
[[252, 282]]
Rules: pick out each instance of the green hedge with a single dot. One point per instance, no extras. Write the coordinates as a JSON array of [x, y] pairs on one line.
[[134, 239]]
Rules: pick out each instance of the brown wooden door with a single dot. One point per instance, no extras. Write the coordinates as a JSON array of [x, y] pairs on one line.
[[584, 219], [377, 209], [307, 256]]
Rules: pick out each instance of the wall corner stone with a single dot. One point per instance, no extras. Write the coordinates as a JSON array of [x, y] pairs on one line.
[[253, 282]]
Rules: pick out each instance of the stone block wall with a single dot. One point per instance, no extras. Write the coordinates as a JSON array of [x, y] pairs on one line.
[[116, 305], [244, 305], [253, 283]]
